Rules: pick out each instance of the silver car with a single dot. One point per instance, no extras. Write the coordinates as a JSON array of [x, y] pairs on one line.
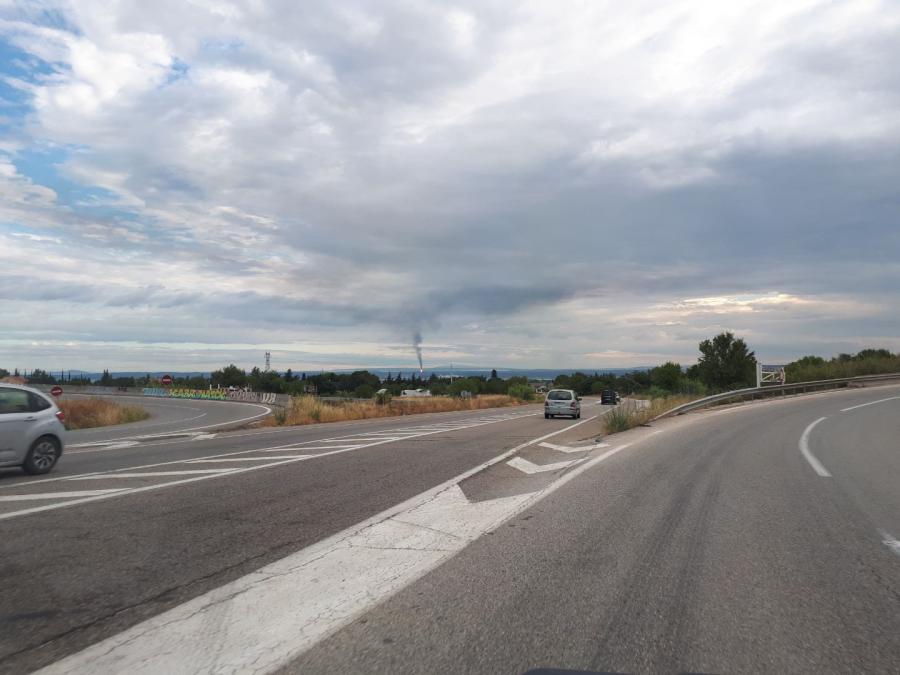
[[562, 402], [32, 434]]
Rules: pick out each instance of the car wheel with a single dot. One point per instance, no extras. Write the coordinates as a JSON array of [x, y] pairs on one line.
[[42, 456], [546, 416]]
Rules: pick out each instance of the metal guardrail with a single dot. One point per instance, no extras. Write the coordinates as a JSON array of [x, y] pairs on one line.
[[783, 389]]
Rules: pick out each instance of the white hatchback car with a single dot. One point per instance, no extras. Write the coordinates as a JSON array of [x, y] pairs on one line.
[[32, 434], [562, 402]]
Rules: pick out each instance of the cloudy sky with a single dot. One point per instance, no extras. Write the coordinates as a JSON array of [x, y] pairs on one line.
[[531, 184]]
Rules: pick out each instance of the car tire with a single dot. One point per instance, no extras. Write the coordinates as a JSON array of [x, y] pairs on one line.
[[42, 456], [546, 416]]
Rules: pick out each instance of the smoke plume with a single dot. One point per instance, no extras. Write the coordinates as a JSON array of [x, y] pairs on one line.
[[417, 345]]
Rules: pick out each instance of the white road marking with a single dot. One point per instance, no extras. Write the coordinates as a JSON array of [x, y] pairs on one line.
[[203, 437], [570, 448], [153, 474], [890, 542], [257, 467], [863, 405], [323, 447], [243, 459], [139, 438], [525, 466], [57, 495], [269, 617], [807, 453]]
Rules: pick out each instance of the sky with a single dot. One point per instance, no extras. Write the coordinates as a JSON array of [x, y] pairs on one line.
[[185, 184]]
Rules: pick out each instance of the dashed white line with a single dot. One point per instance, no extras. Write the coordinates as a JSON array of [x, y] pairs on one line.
[[807, 453]]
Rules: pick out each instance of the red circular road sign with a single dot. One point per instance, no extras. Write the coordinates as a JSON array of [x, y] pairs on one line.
[[56, 391], [166, 380]]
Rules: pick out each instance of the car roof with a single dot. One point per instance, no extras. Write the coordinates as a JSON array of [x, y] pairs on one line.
[[24, 387], [571, 391]]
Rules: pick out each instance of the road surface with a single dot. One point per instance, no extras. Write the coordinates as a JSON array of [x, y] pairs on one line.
[[169, 416], [755, 538]]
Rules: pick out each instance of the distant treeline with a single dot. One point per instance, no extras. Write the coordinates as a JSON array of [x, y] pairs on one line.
[[724, 363]]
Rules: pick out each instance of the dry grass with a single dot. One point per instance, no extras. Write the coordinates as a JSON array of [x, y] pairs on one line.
[[86, 413], [635, 412], [310, 410]]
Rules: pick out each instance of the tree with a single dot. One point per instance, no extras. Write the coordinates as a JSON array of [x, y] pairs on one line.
[[668, 376], [493, 373], [106, 379], [289, 375], [4, 372], [873, 354], [726, 363], [229, 376]]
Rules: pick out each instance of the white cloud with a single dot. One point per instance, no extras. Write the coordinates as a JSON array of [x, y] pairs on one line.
[[561, 176]]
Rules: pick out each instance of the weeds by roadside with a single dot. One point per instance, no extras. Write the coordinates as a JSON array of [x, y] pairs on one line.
[[635, 412], [310, 410], [97, 412]]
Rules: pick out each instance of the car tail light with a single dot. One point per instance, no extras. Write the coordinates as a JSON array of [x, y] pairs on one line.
[[60, 415], [573, 405]]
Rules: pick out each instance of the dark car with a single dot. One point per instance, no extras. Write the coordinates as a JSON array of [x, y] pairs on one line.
[[608, 397]]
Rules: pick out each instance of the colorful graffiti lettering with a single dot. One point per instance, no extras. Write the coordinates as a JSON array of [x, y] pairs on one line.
[[211, 394]]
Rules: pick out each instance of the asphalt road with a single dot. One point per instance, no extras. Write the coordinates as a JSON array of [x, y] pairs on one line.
[[169, 416], [707, 543]]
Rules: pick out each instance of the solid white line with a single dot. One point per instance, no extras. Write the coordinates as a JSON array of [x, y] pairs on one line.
[[57, 495], [807, 453], [318, 447], [152, 474], [863, 405], [243, 459], [531, 468], [890, 542], [159, 486], [266, 618]]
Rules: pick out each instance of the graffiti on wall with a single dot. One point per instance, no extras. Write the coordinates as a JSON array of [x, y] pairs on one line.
[[211, 394]]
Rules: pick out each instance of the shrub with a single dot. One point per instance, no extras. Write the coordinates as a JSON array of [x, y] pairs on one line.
[[309, 409], [87, 413], [522, 392]]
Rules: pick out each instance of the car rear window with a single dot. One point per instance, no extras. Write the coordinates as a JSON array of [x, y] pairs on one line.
[[38, 402], [560, 396]]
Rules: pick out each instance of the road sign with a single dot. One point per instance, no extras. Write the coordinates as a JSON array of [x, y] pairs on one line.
[[56, 391], [166, 380]]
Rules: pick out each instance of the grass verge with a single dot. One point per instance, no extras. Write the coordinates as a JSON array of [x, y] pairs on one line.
[[310, 410], [97, 412], [635, 412]]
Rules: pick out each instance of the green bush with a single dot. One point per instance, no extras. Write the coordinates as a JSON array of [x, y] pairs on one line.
[[522, 392]]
